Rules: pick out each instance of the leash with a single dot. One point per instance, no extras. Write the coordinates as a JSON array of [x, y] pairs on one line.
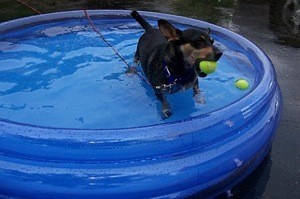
[[130, 68], [28, 6], [99, 33]]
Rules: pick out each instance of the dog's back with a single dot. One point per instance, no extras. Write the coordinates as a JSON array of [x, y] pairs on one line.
[[148, 45]]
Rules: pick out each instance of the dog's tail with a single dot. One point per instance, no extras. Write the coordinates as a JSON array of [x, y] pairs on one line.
[[140, 20]]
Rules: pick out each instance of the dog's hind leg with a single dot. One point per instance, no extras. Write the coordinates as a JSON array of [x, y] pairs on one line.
[[197, 94], [133, 69], [136, 58], [166, 111]]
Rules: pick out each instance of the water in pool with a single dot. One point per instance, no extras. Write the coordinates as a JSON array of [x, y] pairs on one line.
[[61, 74]]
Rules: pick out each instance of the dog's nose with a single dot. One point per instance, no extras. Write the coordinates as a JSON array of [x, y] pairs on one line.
[[218, 55]]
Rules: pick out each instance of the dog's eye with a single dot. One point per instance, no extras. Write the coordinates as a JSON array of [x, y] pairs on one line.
[[201, 39], [199, 42], [211, 40]]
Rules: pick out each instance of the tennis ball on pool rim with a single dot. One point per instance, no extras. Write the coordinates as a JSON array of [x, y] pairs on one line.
[[242, 84], [208, 67]]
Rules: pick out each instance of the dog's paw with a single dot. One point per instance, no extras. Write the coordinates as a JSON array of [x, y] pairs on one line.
[[199, 99], [166, 113]]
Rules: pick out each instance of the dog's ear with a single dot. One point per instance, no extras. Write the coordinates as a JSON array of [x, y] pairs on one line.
[[170, 32], [208, 30]]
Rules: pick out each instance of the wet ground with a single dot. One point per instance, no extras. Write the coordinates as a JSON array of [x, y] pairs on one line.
[[273, 25]]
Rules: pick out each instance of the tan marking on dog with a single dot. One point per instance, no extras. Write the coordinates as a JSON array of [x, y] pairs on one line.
[[202, 37], [191, 54]]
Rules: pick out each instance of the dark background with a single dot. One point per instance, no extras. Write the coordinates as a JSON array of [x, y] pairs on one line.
[[273, 25]]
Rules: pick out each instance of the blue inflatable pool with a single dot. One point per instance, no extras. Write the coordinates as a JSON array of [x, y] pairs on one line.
[[204, 154]]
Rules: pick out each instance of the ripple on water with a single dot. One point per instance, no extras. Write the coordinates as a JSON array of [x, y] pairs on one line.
[[63, 75]]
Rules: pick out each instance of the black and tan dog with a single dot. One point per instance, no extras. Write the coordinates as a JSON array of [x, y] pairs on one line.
[[170, 58]]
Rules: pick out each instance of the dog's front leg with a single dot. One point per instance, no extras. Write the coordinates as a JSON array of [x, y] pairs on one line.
[[197, 93], [166, 111]]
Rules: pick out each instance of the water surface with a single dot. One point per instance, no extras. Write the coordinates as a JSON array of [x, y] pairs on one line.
[[62, 74]]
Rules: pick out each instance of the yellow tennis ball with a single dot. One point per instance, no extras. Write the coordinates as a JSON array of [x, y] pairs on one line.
[[242, 84], [208, 67]]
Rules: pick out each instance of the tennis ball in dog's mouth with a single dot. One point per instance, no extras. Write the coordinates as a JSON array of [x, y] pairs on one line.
[[208, 67], [242, 84]]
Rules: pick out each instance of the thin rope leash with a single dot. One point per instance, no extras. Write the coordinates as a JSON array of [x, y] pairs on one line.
[[114, 49], [28, 6], [99, 33]]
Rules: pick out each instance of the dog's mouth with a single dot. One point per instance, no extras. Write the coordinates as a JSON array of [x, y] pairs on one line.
[[214, 57], [198, 70]]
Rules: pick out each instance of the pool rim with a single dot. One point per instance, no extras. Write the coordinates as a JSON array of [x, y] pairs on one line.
[[259, 85]]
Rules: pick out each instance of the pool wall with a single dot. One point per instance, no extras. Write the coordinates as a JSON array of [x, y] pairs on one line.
[[204, 155]]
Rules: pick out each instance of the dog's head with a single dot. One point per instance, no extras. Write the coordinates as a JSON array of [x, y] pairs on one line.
[[195, 45]]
